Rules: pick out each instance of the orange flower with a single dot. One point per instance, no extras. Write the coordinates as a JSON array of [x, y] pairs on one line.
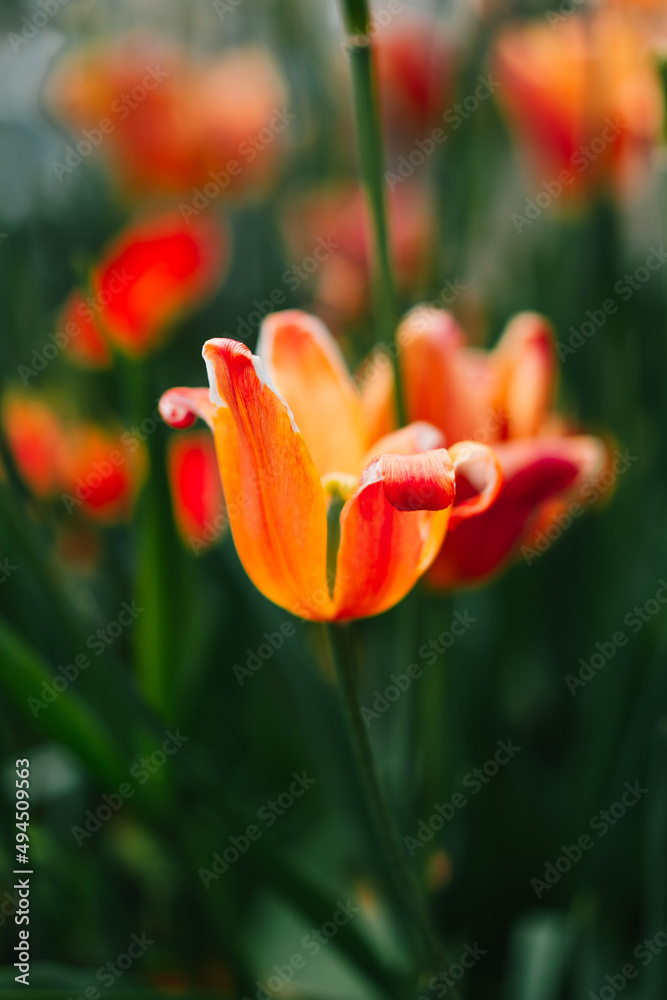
[[196, 493], [584, 96], [167, 120], [503, 397], [331, 237], [94, 471], [152, 273], [293, 442]]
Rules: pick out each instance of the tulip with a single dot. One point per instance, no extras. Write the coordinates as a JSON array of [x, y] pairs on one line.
[[415, 66], [84, 341], [330, 236], [504, 398], [293, 445], [96, 472], [167, 121], [196, 492], [152, 273], [584, 97]]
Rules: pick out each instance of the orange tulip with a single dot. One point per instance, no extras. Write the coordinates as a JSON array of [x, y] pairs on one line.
[[293, 441], [152, 273], [196, 492], [502, 397], [583, 95], [95, 472], [167, 120], [330, 236]]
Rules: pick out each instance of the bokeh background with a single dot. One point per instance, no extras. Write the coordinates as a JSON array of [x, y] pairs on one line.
[[479, 226]]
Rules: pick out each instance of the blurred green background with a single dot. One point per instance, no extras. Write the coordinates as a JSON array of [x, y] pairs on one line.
[[172, 670]]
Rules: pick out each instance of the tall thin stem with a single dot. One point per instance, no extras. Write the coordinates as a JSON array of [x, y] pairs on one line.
[[401, 879], [371, 154]]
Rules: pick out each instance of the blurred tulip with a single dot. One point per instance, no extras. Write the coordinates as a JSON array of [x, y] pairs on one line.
[[196, 491], [152, 273], [504, 398], [293, 442], [584, 97], [166, 119], [94, 471], [85, 343], [332, 229], [416, 62]]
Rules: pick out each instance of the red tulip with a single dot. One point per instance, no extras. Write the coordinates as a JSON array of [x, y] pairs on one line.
[[502, 397]]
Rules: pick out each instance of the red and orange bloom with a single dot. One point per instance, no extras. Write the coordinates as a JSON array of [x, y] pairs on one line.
[[293, 440], [502, 397], [167, 120], [96, 472], [196, 492], [330, 236], [152, 273], [583, 95]]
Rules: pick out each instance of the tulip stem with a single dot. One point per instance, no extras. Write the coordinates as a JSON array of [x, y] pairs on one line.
[[402, 880], [356, 17]]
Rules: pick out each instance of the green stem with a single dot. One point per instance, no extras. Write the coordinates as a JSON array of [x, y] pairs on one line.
[[371, 154], [401, 879]]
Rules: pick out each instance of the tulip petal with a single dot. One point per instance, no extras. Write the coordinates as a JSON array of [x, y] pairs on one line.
[[392, 526], [437, 378], [309, 371], [196, 490], [377, 392], [534, 472], [478, 479], [273, 492], [181, 407], [525, 364]]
